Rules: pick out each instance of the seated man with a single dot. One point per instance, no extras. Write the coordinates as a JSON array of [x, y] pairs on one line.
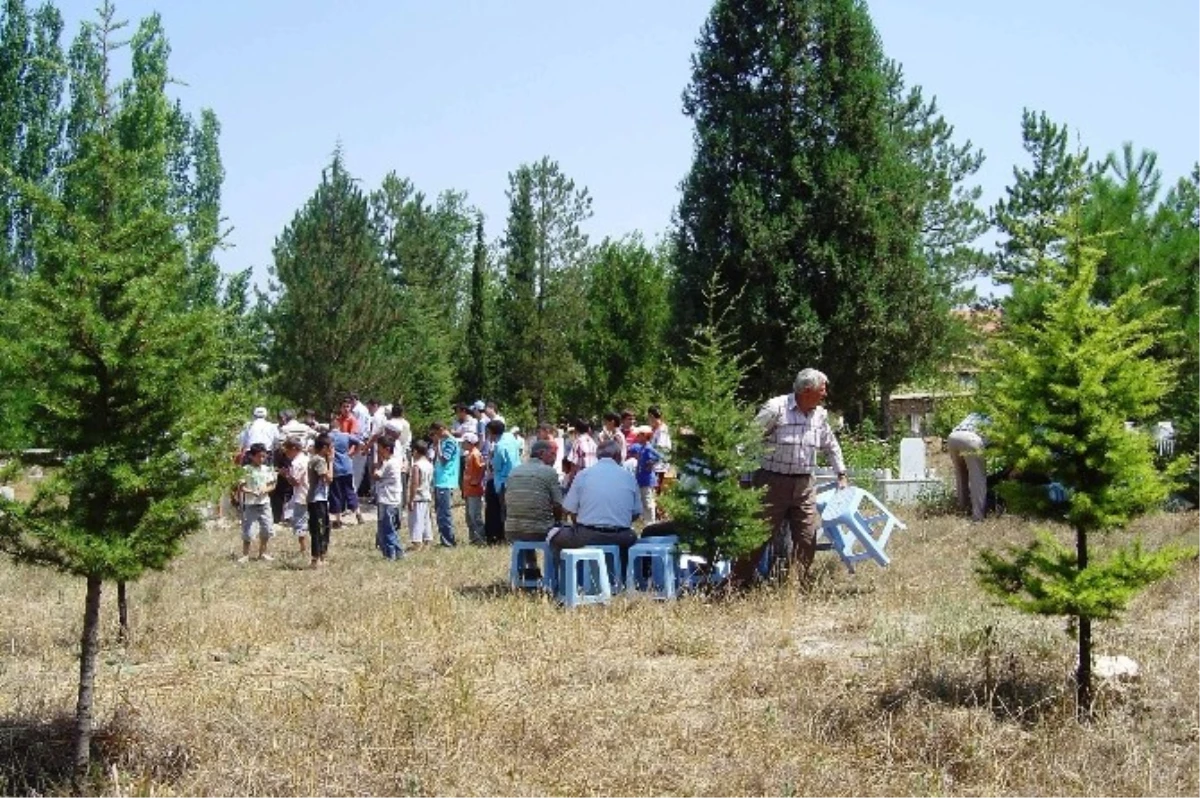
[[605, 502], [534, 500]]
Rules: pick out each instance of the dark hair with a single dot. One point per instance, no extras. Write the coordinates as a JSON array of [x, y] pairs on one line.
[[397, 409], [628, 413], [496, 426], [654, 412], [437, 425], [286, 415], [546, 426], [420, 446], [258, 448], [459, 407], [384, 442], [372, 401], [582, 425], [613, 416], [323, 440]]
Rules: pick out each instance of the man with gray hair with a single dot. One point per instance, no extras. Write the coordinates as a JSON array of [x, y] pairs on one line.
[[605, 502], [795, 427], [534, 500]]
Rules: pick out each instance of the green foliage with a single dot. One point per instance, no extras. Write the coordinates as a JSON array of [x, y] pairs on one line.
[[1060, 393], [31, 122], [1044, 577], [1038, 197], [117, 362], [425, 249], [1064, 383], [475, 374], [716, 441], [542, 309], [819, 184], [332, 324], [623, 336]]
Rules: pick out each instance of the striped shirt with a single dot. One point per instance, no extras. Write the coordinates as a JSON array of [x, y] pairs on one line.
[[793, 437], [530, 495]]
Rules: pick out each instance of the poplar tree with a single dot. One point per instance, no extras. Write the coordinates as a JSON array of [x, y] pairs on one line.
[[118, 362], [474, 374], [1060, 389]]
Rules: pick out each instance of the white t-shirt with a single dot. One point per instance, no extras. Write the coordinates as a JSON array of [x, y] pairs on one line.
[[388, 486], [260, 431], [422, 485]]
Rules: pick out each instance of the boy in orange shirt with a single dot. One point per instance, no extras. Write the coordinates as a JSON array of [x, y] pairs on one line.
[[473, 487]]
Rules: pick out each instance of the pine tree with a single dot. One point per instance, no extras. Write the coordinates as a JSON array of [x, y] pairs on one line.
[[334, 307], [119, 364], [802, 195], [424, 251], [542, 306], [1062, 387], [716, 517], [1038, 197]]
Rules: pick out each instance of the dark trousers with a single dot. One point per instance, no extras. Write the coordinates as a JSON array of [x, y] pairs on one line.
[[342, 496], [493, 514], [282, 493], [318, 527]]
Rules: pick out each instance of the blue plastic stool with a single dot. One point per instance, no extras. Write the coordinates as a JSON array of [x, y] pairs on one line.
[[514, 569], [854, 535], [662, 569], [612, 556], [593, 580]]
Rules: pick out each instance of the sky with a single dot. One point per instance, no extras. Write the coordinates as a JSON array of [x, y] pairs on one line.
[[457, 94]]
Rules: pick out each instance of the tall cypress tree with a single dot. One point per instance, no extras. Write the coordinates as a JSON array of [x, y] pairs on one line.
[[518, 308], [118, 362], [474, 374], [801, 195]]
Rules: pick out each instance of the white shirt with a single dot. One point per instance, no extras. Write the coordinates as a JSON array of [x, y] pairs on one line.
[[605, 495], [260, 431], [388, 486]]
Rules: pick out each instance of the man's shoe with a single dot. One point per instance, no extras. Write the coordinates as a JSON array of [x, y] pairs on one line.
[[266, 558], [243, 559]]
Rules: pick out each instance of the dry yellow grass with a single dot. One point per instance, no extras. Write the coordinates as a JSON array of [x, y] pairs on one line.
[[428, 676]]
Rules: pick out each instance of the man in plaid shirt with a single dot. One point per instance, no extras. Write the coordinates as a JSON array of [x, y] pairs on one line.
[[795, 426]]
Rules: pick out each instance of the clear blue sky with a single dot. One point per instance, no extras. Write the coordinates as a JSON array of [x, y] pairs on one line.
[[458, 94]]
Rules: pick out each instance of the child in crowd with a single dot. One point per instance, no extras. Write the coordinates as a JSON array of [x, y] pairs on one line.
[[473, 487], [647, 479], [389, 497], [320, 475], [254, 496], [296, 473], [420, 495]]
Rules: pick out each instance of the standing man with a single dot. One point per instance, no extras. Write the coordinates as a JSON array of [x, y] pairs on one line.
[[505, 456], [446, 465], [259, 430], [795, 427]]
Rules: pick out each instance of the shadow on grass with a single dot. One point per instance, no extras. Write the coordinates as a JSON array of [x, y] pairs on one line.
[[35, 755], [1017, 697], [493, 591]]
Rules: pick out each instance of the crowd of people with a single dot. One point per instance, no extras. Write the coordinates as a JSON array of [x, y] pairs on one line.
[[312, 477], [572, 488]]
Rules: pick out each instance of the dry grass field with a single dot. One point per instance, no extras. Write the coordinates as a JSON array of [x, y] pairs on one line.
[[428, 676]]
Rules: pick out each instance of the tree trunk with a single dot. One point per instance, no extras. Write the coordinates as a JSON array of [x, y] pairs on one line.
[[123, 612], [1083, 673], [89, 647], [885, 418]]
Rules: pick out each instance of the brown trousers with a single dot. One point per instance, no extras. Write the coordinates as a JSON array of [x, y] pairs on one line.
[[788, 499]]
